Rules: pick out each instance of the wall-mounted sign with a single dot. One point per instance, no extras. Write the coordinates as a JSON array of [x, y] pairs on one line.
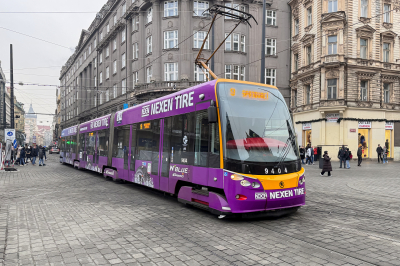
[[364, 124], [332, 118], [389, 126], [353, 130], [307, 126]]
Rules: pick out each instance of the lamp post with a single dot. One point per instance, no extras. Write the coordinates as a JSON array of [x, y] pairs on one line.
[[262, 79]]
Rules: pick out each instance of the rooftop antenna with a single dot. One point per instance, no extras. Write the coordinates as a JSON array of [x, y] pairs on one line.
[[215, 10]]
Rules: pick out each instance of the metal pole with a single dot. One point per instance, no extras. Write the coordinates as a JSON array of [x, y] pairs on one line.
[[212, 47], [12, 88], [262, 79]]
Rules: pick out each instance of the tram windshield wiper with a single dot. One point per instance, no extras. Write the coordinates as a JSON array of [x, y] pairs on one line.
[[290, 144]]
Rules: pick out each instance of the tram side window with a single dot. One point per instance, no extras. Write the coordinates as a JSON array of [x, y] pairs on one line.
[[144, 141], [90, 143], [155, 146], [73, 144], [68, 144], [133, 147], [182, 139], [166, 147], [102, 146], [214, 156], [62, 145], [121, 142], [81, 142], [202, 138]]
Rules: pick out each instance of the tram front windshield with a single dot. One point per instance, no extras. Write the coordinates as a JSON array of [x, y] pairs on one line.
[[255, 123]]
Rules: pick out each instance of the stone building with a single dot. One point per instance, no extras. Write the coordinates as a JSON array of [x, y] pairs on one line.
[[136, 50], [30, 124], [345, 74]]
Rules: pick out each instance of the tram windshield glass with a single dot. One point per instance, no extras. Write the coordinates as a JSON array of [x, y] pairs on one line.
[[256, 124]]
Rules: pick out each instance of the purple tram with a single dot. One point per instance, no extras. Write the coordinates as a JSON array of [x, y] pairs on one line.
[[225, 146]]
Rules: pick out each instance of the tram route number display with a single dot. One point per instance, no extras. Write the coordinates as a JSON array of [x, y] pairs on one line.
[[279, 194]]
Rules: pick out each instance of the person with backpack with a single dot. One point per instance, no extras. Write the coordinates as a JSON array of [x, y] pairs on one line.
[[342, 156], [385, 152], [359, 155], [349, 156], [327, 166], [379, 150], [302, 153]]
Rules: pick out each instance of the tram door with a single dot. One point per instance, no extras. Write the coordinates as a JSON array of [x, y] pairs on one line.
[[165, 153], [132, 151]]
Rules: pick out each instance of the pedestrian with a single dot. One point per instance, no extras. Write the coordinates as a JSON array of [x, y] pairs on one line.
[[34, 154], [22, 157], [385, 152], [327, 166], [18, 155], [302, 154], [379, 150], [27, 153], [315, 154], [41, 155], [342, 156], [8, 156], [359, 155], [308, 152], [349, 156], [44, 150], [312, 154]]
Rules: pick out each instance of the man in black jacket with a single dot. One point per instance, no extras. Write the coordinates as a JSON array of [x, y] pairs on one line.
[[34, 154], [379, 150], [342, 156], [359, 155]]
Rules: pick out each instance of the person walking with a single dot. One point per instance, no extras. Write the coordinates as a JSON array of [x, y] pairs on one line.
[[302, 154], [308, 152], [44, 155], [315, 154], [41, 155], [18, 155], [34, 154], [312, 154], [379, 150], [27, 154], [385, 152], [359, 155], [327, 166], [342, 156], [349, 156], [22, 157]]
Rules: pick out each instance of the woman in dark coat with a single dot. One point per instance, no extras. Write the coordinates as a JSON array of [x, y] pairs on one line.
[[327, 167], [302, 153]]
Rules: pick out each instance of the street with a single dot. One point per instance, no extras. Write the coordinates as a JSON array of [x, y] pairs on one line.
[[57, 215]]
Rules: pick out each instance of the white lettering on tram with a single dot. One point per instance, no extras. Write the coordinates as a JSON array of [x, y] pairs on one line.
[[281, 194], [181, 101], [99, 123]]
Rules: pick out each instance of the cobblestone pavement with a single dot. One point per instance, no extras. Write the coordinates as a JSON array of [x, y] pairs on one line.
[[56, 215]]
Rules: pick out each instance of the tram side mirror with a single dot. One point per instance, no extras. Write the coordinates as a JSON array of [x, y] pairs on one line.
[[212, 113]]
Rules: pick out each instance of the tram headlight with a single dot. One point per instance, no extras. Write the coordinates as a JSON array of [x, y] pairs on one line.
[[245, 183], [255, 185], [237, 177]]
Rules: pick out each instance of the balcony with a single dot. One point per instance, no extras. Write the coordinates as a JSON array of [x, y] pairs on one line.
[[333, 58]]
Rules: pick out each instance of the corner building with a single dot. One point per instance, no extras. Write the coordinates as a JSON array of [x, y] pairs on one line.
[[135, 51], [345, 74]]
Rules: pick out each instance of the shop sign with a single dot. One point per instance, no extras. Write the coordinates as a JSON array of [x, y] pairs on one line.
[[307, 126], [389, 126], [353, 130], [364, 124], [332, 118]]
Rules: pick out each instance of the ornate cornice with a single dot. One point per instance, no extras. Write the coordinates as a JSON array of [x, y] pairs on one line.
[[365, 75]]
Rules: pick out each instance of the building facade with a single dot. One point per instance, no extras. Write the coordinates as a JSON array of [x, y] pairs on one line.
[[30, 125], [137, 50], [345, 74]]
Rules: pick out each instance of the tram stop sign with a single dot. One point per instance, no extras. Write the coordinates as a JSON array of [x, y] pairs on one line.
[[9, 134]]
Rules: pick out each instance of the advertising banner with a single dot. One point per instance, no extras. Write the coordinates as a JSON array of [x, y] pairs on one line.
[[307, 126], [389, 126], [364, 124], [332, 118]]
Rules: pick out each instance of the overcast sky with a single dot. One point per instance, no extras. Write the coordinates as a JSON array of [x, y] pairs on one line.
[[37, 61]]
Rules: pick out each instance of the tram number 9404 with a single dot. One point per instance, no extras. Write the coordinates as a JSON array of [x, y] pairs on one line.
[[276, 171]]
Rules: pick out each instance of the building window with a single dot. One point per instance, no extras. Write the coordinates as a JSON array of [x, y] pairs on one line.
[[124, 8], [198, 38], [136, 77], [101, 98], [228, 42], [307, 94], [123, 61], [108, 28], [386, 14], [136, 51], [309, 54], [123, 86], [107, 95], [236, 42], [332, 6], [95, 81], [170, 39], [95, 100], [149, 15], [296, 62], [270, 76], [332, 44], [170, 8], [149, 73], [107, 72], [114, 44], [149, 42], [228, 70], [309, 16], [242, 72], [200, 74], [363, 48], [364, 90], [199, 7], [90, 48], [115, 67], [386, 52], [95, 62], [100, 58], [171, 71], [135, 23], [296, 26], [123, 36], [271, 18], [101, 35], [94, 43], [234, 72], [107, 51], [332, 86], [115, 91], [243, 43], [364, 8], [101, 78], [270, 46], [115, 20], [386, 92]]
